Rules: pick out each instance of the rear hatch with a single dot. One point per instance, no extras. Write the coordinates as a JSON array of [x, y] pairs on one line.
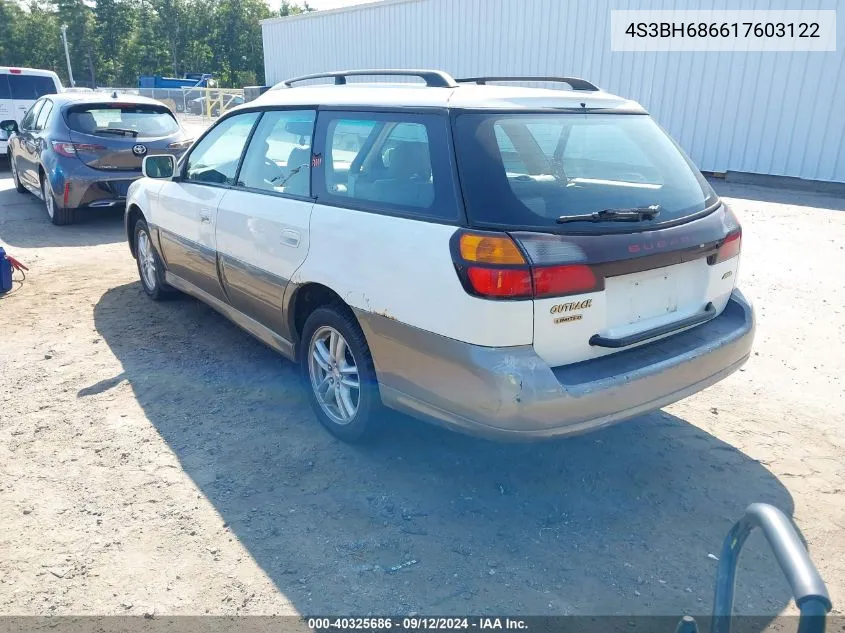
[[117, 136], [622, 238]]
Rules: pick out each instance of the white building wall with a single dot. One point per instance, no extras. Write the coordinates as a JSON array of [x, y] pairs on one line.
[[760, 112]]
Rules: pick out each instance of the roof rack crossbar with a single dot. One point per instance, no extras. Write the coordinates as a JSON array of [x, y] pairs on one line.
[[574, 82], [432, 78]]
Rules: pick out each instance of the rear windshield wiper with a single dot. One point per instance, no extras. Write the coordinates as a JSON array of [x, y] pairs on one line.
[[117, 130], [635, 214]]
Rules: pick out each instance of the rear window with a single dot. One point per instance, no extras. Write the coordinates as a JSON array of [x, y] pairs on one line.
[[30, 87], [529, 170], [122, 120], [5, 93]]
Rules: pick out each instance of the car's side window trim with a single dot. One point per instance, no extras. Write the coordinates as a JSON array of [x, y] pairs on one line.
[[183, 165], [245, 150], [279, 194], [47, 102], [35, 110], [444, 188]]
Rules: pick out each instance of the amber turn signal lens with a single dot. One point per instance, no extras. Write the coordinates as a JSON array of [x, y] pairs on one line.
[[487, 249]]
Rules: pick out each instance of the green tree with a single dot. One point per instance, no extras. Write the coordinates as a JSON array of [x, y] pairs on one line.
[[114, 21], [118, 40], [291, 8]]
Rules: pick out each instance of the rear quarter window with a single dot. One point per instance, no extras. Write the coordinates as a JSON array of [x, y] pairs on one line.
[[30, 87], [393, 163]]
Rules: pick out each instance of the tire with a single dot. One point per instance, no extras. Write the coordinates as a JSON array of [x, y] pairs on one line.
[[332, 409], [18, 186], [152, 280], [58, 215]]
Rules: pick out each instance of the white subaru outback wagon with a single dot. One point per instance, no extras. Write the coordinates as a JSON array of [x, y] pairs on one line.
[[513, 262]]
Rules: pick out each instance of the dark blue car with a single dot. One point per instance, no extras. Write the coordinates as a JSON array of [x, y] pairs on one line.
[[83, 150]]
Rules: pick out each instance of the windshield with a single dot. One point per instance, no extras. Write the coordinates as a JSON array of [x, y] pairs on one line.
[[131, 120], [531, 170]]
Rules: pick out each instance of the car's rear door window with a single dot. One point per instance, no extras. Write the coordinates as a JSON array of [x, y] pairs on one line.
[[397, 163], [215, 158], [46, 110], [279, 154], [128, 120], [28, 121]]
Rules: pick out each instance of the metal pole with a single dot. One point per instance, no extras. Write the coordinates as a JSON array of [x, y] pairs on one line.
[[67, 56]]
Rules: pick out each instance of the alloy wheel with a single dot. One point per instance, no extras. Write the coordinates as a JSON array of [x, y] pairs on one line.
[[146, 260], [49, 202], [334, 375]]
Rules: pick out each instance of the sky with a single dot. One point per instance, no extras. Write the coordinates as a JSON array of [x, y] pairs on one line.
[[321, 4]]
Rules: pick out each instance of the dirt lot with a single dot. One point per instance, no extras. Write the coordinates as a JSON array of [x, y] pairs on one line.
[[156, 459]]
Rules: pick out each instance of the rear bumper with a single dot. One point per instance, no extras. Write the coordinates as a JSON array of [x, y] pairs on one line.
[[511, 393], [89, 187]]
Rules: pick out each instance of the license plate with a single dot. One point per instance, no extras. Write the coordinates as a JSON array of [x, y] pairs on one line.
[[653, 297]]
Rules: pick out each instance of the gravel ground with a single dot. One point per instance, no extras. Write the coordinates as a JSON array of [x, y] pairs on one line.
[[156, 459]]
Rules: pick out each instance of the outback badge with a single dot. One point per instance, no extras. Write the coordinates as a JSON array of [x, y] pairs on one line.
[[570, 307]]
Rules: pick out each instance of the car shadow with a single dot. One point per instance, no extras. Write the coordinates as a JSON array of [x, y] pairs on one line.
[[625, 520], [820, 200], [24, 222]]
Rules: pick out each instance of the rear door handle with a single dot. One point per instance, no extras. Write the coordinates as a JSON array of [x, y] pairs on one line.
[[290, 237], [205, 215]]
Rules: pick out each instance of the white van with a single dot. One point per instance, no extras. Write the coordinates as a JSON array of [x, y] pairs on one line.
[[19, 88]]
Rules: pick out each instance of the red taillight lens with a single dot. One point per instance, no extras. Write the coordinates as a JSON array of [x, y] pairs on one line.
[[492, 265], [63, 148], [506, 283], [68, 149], [180, 144], [730, 247], [554, 281]]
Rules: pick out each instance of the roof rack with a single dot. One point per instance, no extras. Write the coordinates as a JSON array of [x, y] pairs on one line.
[[574, 82], [432, 78]]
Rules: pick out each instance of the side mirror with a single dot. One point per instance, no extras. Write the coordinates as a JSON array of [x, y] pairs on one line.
[[162, 166], [9, 126]]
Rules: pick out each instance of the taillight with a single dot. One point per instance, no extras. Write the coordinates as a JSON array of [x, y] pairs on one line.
[[555, 281], [67, 149], [490, 249], [730, 247], [505, 283], [732, 243], [492, 265], [181, 144]]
